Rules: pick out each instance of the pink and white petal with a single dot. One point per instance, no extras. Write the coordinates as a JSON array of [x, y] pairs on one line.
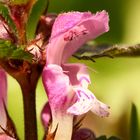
[[55, 50], [57, 87], [77, 73], [66, 21], [87, 29], [6, 137], [84, 103], [100, 108], [3, 97], [46, 115], [57, 43]]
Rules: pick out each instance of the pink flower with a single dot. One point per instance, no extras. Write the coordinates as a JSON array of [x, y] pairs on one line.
[[6, 137], [84, 134], [3, 97], [67, 84]]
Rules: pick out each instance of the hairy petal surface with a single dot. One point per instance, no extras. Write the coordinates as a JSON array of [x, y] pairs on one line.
[[71, 30], [66, 21]]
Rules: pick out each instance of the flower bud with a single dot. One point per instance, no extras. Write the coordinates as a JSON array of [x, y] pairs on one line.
[[84, 134]]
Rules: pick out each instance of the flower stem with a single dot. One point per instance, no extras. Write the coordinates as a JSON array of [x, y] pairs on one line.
[[27, 75], [28, 83]]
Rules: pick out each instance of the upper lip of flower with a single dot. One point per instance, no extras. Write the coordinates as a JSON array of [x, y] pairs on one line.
[[71, 30]]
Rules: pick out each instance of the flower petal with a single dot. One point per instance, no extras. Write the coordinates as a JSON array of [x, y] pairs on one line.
[[46, 115], [66, 21], [71, 30], [87, 29], [3, 97], [100, 109], [87, 101], [55, 50], [6, 137], [84, 134], [77, 73], [84, 102], [57, 87]]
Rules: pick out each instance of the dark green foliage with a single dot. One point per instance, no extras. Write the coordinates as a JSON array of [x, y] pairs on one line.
[[134, 128]]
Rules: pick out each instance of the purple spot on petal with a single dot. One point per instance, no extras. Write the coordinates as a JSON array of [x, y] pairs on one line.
[[92, 96], [85, 95], [79, 93]]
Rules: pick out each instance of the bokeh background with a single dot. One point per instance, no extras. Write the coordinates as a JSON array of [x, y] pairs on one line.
[[114, 81]]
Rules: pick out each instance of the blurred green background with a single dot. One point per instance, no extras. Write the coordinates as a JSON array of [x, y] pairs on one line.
[[114, 81]]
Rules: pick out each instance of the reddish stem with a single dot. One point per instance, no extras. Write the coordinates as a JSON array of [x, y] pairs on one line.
[[27, 76], [30, 122]]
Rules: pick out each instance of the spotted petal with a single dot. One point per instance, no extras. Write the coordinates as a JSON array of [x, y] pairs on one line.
[[87, 101], [84, 102], [100, 108], [66, 39], [66, 21]]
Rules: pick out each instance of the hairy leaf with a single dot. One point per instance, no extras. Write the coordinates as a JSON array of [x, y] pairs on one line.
[[8, 50], [19, 53]]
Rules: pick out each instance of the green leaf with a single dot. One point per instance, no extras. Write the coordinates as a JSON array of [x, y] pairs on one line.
[[8, 50], [19, 53], [102, 138], [38, 9], [134, 130]]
